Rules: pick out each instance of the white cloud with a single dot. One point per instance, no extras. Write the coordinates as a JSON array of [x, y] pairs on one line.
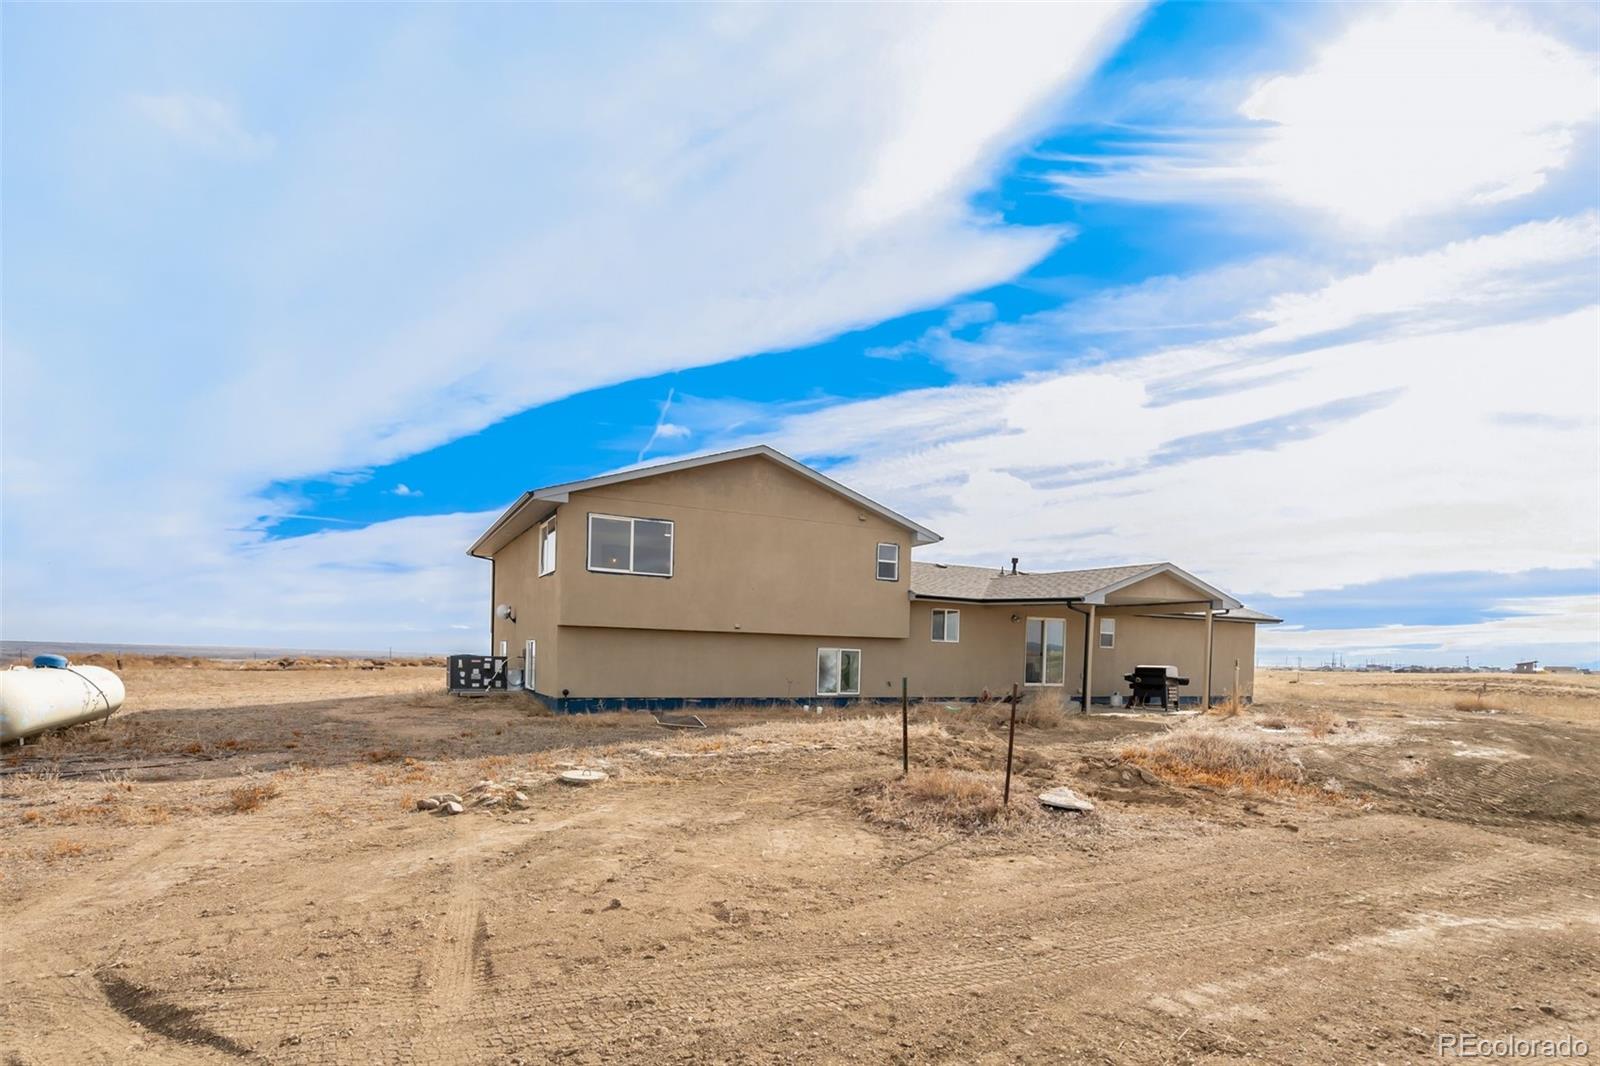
[[1564, 627], [403, 489], [1479, 279], [992, 65], [1410, 450], [201, 122], [1425, 107], [446, 239], [1414, 109]]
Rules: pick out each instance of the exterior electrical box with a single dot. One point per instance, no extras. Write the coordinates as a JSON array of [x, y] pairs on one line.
[[477, 673]]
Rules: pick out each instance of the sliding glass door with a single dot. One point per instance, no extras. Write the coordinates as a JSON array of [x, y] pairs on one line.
[[1046, 660]]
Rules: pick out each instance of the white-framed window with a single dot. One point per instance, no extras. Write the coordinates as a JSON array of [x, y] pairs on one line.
[[838, 671], [1108, 632], [622, 545], [1045, 659], [946, 625], [547, 548], [888, 562]]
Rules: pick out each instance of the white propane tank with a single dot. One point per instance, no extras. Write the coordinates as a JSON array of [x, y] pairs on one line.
[[35, 699]]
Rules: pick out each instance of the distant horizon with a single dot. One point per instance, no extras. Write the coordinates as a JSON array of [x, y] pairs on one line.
[[23, 648]]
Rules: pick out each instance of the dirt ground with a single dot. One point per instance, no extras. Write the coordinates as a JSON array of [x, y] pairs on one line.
[[233, 869]]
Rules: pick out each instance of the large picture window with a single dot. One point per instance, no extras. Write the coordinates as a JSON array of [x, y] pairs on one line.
[[888, 562], [619, 545], [838, 671], [547, 548], [946, 626], [1046, 659]]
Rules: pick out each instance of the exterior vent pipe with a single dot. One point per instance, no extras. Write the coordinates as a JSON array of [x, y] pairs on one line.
[[1013, 564]]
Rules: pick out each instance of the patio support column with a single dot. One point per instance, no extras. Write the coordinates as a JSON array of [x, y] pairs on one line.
[[1088, 659], [1205, 689]]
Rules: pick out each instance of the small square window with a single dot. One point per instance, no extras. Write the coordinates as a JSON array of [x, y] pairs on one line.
[[1108, 632], [888, 562], [946, 626]]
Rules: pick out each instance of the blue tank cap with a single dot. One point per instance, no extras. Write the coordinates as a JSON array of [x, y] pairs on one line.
[[50, 662]]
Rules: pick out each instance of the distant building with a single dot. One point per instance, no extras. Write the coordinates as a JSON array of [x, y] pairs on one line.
[[1529, 667], [1562, 670]]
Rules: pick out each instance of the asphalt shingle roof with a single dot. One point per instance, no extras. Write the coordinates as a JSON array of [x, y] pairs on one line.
[[988, 583]]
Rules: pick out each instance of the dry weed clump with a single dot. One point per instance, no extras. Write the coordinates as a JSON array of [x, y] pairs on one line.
[[940, 799], [1322, 723], [1219, 760], [64, 849], [247, 798], [1232, 707], [1037, 710]]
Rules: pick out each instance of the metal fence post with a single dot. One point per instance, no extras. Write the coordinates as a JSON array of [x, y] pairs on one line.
[[1011, 740], [905, 727]]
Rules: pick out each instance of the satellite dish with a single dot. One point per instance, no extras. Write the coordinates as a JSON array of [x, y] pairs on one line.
[[504, 611]]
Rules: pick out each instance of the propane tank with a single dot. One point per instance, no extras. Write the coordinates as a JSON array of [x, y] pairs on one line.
[[54, 694]]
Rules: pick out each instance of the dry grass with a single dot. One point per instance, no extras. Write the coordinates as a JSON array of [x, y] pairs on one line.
[[247, 798], [64, 849], [941, 800], [1232, 707], [1219, 759], [1561, 697], [1039, 709], [1321, 723]]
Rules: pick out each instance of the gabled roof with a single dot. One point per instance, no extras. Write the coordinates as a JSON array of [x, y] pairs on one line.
[[939, 581], [535, 506]]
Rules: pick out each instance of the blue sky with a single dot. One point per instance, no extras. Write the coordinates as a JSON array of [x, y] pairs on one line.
[[1302, 297]]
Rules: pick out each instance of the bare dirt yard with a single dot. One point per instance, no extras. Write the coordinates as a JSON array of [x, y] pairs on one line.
[[234, 869]]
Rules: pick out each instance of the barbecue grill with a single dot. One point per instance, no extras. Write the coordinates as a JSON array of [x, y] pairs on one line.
[[1155, 684]]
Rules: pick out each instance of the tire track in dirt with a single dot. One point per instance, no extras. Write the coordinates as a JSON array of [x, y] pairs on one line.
[[1072, 953]]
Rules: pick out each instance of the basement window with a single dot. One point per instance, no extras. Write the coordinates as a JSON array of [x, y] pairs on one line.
[[620, 545], [946, 626], [547, 548], [838, 671], [888, 562], [1108, 632]]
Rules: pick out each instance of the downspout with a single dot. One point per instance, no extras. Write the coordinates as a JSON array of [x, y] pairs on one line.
[[1083, 682]]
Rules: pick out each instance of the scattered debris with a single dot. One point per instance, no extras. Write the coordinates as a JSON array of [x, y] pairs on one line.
[[1064, 799], [679, 721]]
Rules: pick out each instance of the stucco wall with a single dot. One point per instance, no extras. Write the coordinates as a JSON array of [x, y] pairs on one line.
[[757, 549], [1181, 643], [535, 599], [617, 662]]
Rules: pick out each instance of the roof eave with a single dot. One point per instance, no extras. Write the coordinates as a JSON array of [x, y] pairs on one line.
[[559, 494], [1219, 600]]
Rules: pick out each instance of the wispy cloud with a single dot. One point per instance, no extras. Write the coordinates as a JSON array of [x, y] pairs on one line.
[[202, 123], [453, 235], [1413, 109]]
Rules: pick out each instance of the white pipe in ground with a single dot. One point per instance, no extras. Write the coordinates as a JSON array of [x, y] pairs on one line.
[[34, 700]]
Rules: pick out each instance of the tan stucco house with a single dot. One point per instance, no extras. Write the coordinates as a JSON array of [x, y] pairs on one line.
[[748, 576]]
